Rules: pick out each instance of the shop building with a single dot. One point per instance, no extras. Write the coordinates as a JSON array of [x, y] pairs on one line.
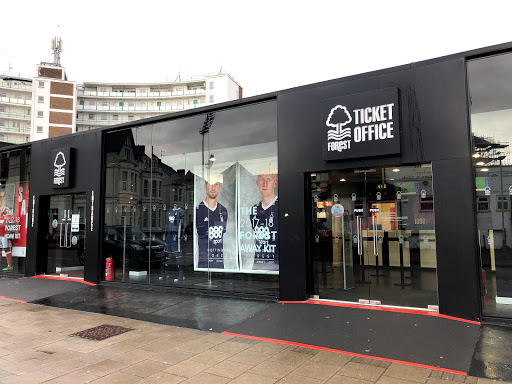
[[390, 188]]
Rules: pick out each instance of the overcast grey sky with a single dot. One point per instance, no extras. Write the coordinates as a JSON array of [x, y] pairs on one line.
[[265, 45]]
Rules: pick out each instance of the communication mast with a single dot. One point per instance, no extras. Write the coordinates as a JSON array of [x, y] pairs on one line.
[[57, 49]]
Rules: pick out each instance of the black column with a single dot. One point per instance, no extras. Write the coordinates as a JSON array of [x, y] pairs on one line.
[[455, 220], [292, 241]]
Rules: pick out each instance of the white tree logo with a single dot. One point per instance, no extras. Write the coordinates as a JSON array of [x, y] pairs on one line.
[[338, 118], [60, 161]]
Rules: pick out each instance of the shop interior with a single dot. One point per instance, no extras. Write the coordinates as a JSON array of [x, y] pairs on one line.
[[373, 236]]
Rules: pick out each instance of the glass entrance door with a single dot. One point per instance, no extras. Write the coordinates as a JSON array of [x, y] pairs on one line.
[[66, 235], [373, 236]]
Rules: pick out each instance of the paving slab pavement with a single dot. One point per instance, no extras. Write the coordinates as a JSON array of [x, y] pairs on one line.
[[36, 347]]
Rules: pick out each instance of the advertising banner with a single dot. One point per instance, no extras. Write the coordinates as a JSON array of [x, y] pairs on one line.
[[7, 220], [215, 245], [236, 221], [20, 220], [258, 216]]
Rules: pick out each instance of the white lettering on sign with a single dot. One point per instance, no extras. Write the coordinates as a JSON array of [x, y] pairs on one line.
[[33, 208], [248, 211], [378, 114], [374, 114], [371, 132], [58, 180], [377, 126], [338, 145], [92, 211]]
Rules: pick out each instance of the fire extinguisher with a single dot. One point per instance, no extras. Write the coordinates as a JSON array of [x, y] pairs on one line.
[[109, 269]]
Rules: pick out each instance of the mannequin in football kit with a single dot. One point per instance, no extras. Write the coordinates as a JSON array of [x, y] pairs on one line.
[[173, 235], [5, 243], [211, 220], [265, 223]]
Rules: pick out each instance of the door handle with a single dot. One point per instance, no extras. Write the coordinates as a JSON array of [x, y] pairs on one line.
[[68, 243], [60, 236], [375, 247], [359, 245]]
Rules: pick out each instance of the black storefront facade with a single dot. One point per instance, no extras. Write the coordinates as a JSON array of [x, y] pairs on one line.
[[375, 189]]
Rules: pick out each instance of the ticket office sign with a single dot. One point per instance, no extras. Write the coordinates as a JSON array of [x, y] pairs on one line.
[[361, 125]]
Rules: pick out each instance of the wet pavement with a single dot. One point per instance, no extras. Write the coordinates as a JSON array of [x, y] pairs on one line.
[[36, 347], [493, 353], [30, 289], [184, 310], [186, 313]]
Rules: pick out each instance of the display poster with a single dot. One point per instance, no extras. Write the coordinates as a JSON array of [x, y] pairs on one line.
[[215, 237], [258, 216], [236, 221], [9, 228], [20, 222]]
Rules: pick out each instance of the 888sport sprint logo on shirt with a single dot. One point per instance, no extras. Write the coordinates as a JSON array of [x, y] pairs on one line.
[[211, 228], [361, 125], [216, 234]]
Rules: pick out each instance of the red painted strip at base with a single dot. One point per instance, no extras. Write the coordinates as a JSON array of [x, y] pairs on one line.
[[346, 353], [63, 278], [385, 309], [18, 301]]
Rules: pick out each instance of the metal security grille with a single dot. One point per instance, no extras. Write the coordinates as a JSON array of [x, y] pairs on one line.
[[102, 332]]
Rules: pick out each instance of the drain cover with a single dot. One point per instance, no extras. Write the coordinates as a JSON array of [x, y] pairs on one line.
[[102, 332]]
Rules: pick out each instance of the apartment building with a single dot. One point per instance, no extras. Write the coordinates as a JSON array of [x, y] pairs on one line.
[[53, 103], [101, 104], [15, 108], [49, 105]]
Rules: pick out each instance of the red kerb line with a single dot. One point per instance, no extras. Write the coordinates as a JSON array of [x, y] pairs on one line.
[[385, 309], [19, 301], [63, 278]]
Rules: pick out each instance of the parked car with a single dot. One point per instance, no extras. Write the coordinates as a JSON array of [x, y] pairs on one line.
[[136, 246]]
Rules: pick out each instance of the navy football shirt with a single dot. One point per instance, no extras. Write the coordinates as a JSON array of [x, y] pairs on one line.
[[265, 225], [174, 219], [210, 227]]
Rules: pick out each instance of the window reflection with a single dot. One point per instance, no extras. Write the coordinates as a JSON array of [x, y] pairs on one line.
[[185, 207], [491, 117]]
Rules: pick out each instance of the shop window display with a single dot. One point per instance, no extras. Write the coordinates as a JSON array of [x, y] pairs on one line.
[[213, 224], [14, 189]]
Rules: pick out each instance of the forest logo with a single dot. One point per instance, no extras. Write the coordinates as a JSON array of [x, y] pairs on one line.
[[337, 119], [59, 172]]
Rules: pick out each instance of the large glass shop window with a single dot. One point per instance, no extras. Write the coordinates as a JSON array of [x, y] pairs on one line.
[[373, 237], [193, 202], [14, 198], [490, 88]]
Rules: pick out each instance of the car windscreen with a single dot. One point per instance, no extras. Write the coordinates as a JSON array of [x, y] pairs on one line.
[[136, 234]]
